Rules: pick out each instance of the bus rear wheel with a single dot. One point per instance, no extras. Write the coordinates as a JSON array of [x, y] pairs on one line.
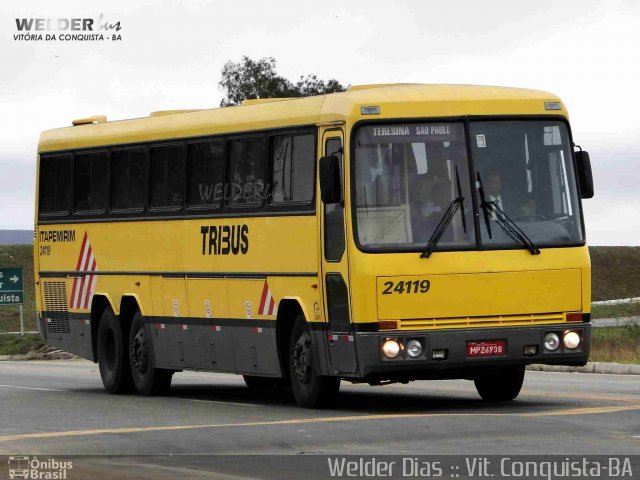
[[502, 386], [310, 389], [147, 379], [113, 354]]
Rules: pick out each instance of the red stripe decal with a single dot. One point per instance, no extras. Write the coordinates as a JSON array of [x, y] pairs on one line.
[[84, 242], [91, 279], [265, 290], [85, 266], [76, 282]]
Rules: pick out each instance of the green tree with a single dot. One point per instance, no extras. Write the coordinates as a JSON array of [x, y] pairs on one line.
[[258, 79]]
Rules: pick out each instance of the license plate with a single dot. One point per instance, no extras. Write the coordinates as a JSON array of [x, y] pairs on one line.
[[486, 348]]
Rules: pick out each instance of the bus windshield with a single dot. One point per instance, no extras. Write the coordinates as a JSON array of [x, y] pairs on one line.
[[406, 176], [526, 170]]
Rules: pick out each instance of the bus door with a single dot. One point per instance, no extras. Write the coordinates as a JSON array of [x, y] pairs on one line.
[[335, 272]]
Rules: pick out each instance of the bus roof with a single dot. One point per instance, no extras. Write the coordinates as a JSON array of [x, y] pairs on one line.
[[395, 101]]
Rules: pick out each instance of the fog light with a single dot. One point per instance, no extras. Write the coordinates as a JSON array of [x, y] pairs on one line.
[[571, 340], [439, 354], [391, 348], [414, 348], [530, 349], [551, 341]]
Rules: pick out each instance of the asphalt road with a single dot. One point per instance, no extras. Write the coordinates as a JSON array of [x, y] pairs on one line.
[[60, 408]]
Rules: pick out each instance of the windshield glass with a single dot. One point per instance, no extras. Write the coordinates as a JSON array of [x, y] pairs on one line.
[[526, 170], [405, 180]]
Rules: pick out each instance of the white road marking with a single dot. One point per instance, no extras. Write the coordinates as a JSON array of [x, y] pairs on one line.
[[220, 401], [34, 388]]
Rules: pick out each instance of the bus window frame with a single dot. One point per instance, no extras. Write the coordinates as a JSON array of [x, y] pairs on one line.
[[292, 205]]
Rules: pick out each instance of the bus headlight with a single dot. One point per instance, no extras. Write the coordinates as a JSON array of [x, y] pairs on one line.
[[391, 348], [551, 341], [414, 348], [571, 340]]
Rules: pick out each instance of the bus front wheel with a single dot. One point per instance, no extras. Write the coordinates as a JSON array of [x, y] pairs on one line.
[[147, 379], [502, 386], [310, 389], [113, 354]]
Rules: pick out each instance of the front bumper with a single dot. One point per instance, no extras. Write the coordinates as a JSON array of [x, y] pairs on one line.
[[373, 366]]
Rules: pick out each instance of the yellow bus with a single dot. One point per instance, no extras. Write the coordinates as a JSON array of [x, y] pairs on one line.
[[388, 233]]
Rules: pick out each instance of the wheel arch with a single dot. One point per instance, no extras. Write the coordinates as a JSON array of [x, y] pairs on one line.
[[124, 310], [288, 310], [99, 303]]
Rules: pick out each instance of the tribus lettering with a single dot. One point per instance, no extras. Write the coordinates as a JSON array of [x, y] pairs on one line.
[[224, 239]]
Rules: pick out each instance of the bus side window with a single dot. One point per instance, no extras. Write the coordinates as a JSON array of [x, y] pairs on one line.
[[55, 184], [292, 168], [246, 171], [90, 182], [128, 179], [205, 172], [167, 177]]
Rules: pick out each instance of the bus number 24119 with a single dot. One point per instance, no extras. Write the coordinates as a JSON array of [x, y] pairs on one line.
[[406, 286]]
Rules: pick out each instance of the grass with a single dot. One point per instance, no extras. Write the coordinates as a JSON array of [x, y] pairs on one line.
[[616, 344], [606, 311], [15, 344]]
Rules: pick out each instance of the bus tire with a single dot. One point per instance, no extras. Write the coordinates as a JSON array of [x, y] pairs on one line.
[[505, 385], [147, 379], [264, 383], [310, 389], [113, 354]]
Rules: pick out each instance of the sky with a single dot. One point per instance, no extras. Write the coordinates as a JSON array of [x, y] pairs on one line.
[[171, 55]]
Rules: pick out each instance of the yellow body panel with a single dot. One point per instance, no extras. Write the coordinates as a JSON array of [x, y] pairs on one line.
[[479, 294]]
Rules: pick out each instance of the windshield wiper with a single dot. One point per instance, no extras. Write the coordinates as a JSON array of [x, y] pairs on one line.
[[457, 203], [511, 228]]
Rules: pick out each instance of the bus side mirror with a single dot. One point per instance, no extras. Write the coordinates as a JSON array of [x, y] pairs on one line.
[[585, 178], [330, 180]]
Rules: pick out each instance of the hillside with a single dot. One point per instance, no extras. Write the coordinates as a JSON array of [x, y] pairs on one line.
[[16, 237], [616, 274]]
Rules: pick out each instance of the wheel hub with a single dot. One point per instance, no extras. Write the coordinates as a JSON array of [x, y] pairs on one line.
[[139, 355], [302, 359]]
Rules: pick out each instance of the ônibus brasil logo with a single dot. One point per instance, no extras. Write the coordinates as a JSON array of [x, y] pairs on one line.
[[33, 468], [80, 29]]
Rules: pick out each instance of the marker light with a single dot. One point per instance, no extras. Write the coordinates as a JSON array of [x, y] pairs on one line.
[[370, 110], [414, 348], [439, 354], [391, 348], [571, 340], [551, 341]]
